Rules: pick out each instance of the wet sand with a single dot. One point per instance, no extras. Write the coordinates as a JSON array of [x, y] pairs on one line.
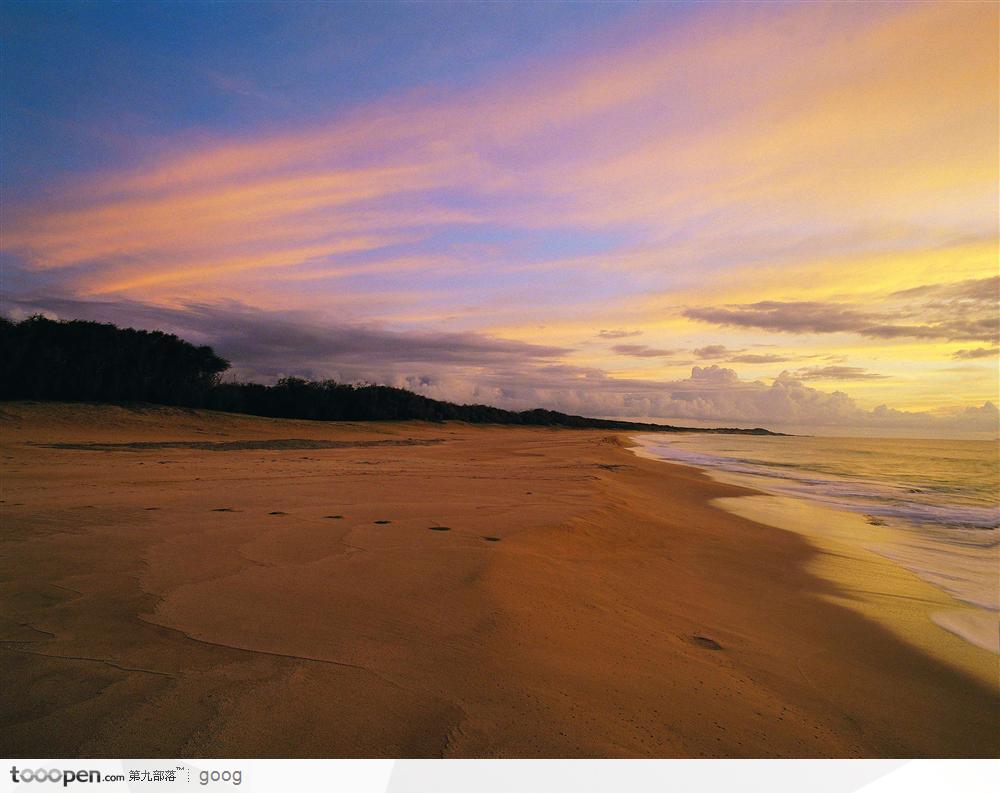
[[184, 584]]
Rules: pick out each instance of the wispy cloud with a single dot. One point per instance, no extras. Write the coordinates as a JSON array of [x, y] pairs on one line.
[[642, 351], [721, 352], [978, 352], [655, 137], [966, 311], [836, 373], [755, 358], [618, 334], [714, 351]]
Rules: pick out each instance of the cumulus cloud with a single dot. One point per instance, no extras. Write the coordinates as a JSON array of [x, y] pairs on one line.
[[713, 375], [964, 311]]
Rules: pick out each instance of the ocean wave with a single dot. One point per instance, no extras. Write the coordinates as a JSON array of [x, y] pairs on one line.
[[915, 503]]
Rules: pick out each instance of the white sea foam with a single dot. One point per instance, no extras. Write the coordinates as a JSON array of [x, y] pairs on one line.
[[981, 628]]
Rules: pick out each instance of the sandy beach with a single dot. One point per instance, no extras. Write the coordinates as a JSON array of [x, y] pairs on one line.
[[189, 584]]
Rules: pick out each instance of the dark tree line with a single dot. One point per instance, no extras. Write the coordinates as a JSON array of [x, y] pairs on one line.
[[94, 362], [78, 361], [327, 400]]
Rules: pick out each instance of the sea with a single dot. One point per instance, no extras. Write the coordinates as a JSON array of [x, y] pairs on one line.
[[931, 506]]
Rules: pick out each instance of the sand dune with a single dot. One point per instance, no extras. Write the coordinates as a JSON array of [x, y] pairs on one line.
[[182, 583]]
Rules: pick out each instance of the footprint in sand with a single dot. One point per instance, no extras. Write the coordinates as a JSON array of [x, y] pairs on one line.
[[704, 641], [439, 528]]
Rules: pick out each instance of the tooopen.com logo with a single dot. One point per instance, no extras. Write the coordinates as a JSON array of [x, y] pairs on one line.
[[19, 775]]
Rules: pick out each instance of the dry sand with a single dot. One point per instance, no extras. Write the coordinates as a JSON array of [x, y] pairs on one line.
[[185, 584]]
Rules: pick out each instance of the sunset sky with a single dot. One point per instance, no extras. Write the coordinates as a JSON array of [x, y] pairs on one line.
[[779, 214]]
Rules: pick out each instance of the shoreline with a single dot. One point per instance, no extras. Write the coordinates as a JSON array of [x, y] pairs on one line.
[[842, 533], [484, 592]]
